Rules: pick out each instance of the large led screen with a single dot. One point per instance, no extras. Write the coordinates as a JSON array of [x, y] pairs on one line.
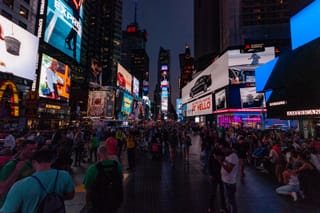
[[101, 103], [127, 101], [124, 79], [250, 98], [235, 57], [305, 25], [136, 86], [212, 78], [18, 50], [54, 79], [202, 106], [64, 26], [220, 99]]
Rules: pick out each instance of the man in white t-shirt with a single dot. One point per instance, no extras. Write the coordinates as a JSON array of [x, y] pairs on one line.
[[229, 173]]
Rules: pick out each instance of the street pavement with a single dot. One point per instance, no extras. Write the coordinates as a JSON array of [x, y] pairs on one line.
[[158, 187]]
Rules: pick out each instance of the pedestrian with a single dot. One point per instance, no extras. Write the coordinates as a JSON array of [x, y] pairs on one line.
[[78, 144], [173, 142], [26, 194], [112, 146], [229, 170], [93, 146], [186, 143], [214, 171], [17, 168], [130, 146], [103, 184], [242, 148]]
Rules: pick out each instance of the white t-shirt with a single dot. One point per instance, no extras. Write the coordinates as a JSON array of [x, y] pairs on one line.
[[231, 177]]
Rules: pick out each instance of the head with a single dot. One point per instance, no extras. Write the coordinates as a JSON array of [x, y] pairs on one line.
[[54, 65], [27, 149], [226, 148], [102, 152], [43, 155]]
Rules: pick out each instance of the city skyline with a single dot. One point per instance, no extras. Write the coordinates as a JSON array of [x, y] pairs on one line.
[[166, 28]]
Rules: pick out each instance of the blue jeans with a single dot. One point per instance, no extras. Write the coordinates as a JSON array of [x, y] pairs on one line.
[[286, 189], [230, 194]]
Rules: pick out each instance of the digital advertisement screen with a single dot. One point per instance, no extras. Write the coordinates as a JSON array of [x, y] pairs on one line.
[[136, 85], [18, 50], [63, 28], [127, 101], [305, 25], [124, 79], [212, 78], [54, 79], [242, 75], [202, 106], [220, 99], [250, 98], [235, 57]]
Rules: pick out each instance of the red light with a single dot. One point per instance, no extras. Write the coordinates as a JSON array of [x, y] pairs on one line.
[[247, 46], [131, 29]]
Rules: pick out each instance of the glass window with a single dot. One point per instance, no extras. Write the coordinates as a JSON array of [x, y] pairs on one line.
[[24, 12], [9, 3]]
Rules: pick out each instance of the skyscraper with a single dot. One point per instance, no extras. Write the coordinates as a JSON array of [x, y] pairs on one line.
[[103, 29], [186, 67], [162, 90], [223, 24], [133, 54]]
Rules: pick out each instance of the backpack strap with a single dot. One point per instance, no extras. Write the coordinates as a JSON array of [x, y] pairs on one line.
[[41, 184]]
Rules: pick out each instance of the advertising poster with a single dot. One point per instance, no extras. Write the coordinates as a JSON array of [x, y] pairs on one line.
[[202, 106], [54, 79], [127, 101], [124, 79], [179, 109], [242, 75], [97, 103], [235, 57], [63, 28], [251, 99], [18, 50], [212, 78], [220, 99], [136, 85]]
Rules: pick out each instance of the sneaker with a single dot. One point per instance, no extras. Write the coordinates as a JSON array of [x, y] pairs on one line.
[[294, 196]]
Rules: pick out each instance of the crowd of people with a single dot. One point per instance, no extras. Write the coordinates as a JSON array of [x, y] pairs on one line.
[[285, 156], [51, 156]]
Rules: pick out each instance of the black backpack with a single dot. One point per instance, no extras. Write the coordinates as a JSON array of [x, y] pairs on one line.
[[52, 202], [107, 189]]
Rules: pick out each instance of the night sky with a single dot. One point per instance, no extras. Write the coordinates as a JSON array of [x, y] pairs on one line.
[[169, 23]]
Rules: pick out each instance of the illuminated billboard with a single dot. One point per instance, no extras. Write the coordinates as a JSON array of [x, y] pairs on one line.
[[18, 50], [63, 28], [220, 99], [212, 78], [202, 106], [101, 103], [305, 25], [127, 101], [235, 57], [124, 79], [136, 85], [250, 98], [54, 79]]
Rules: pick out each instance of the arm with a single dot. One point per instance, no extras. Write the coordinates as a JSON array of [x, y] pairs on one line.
[[6, 184], [227, 165]]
